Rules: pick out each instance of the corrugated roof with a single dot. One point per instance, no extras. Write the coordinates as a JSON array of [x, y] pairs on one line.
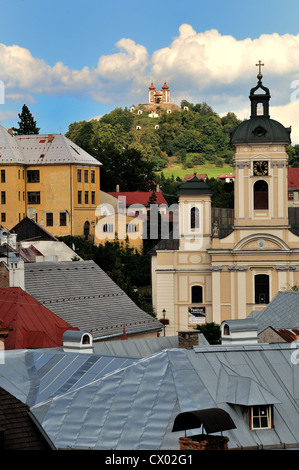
[[31, 324], [82, 294], [92, 401]]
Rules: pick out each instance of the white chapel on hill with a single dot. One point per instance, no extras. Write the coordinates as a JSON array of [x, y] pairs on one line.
[[227, 278]]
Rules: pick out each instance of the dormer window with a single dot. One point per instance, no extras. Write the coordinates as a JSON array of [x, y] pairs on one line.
[[261, 417]]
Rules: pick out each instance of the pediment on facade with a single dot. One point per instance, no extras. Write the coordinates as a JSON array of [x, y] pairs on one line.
[[261, 242]]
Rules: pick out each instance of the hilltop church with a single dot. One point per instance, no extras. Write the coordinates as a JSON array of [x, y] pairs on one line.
[[203, 277]]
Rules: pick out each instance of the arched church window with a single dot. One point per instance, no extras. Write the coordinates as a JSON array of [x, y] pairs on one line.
[[260, 195], [196, 295], [261, 284], [194, 217]]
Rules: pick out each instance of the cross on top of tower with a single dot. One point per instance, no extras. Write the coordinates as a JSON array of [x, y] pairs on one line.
[[260, 65]]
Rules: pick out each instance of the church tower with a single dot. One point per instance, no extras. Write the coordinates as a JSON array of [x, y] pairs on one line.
[[260, 165], [211, 278]]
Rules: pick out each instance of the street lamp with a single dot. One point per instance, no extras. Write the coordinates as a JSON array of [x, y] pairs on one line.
[[164, 315]]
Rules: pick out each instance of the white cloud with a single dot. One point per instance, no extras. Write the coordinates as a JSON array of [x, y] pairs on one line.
[[198, 66]]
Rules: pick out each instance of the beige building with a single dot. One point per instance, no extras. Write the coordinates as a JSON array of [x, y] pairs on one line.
[[201, 277]]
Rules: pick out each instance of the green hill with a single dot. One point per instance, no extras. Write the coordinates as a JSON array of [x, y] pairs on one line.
[[190, 137]]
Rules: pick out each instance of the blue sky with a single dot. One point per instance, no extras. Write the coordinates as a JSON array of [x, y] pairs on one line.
[[73, 60]]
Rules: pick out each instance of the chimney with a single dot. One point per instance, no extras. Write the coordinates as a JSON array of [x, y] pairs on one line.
[[16, 271], [10, 131], [188, 339], [117, 188]]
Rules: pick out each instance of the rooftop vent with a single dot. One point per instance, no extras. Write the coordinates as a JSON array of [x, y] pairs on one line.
[[239, 332], [77, 341]]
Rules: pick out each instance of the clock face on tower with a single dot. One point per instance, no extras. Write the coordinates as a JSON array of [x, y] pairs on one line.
[[260, 168]]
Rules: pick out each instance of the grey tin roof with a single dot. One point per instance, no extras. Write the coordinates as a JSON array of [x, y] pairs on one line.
[[94, 401], [281, 312], [83, 295], [140, 347], [41, 149]]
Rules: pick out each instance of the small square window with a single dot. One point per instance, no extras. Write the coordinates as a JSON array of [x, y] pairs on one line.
[[33, 197]]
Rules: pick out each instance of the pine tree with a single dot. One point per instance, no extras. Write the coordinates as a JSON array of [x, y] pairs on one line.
[[27, 124]]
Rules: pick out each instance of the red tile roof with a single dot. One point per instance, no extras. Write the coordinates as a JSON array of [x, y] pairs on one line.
[[293, 178], [139, 197], [200, 176], [31, 324]]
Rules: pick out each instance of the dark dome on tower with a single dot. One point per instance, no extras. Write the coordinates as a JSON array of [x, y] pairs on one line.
[[260, 128]]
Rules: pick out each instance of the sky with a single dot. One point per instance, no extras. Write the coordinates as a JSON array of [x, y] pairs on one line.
[[70, 61]]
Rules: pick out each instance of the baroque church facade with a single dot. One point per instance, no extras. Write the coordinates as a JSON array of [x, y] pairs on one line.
[[200, 277]]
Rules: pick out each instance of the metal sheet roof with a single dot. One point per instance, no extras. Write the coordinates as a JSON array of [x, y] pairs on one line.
[[42, 149], [281, 312], [88, 401]]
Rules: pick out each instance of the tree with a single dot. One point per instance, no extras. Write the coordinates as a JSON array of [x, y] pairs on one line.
[[211, 331], [27, 124]]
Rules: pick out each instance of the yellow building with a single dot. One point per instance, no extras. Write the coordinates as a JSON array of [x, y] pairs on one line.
[[49, 179], [113, 223], [204, 278]]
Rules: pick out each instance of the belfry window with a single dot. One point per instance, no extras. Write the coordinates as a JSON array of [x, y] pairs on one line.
[[261, 284], [260, 195], [196, 295], [194, 217]]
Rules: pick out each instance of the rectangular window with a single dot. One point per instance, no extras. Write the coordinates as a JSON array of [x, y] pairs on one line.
[[3, 217], [33, 197], [79, 197], [2, 176], [32, 176], [86, 176], [19, 195], [62, 220], [19, 174], [93, 197], [131, 228], [49, 219], [86, 197], [108, 228], [93, 176], [261, 417], [291, 196], [3, 197], [79, 176]]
